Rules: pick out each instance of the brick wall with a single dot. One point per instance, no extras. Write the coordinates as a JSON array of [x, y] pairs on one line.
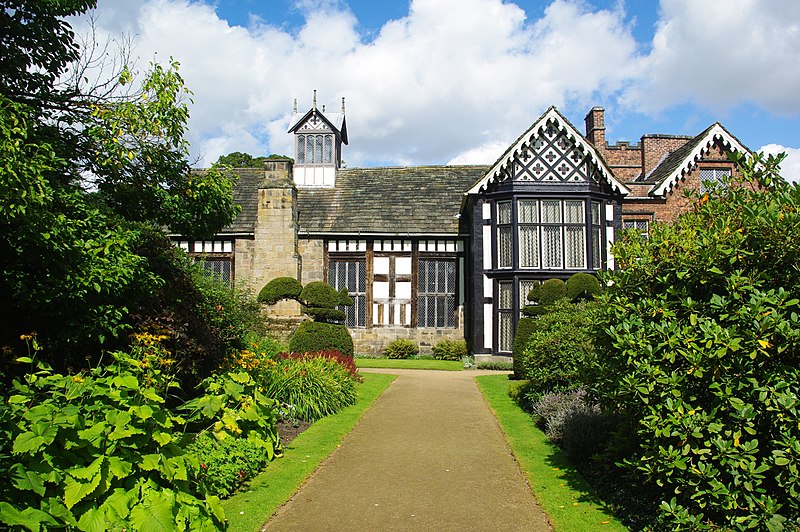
[[655, 147]]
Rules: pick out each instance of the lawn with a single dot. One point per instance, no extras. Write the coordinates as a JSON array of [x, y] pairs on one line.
[[561, 491], [409, 363], [248, 511]]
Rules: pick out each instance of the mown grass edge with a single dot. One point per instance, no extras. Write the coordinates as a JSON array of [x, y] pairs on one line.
[[249, 510], [409, 363], [561, 491]]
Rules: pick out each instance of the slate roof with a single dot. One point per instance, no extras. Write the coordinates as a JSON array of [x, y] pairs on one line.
[[389, 200], [245, 193]]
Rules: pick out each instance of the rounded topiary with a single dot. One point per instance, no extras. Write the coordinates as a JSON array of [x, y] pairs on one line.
[[326, 314], [280, 288], [551, 291], [319, 294], [314, 336], [582, 286], [401, 348]]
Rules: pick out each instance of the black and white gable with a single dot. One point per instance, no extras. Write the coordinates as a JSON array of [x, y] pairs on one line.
[[550, 151], [319, 136]]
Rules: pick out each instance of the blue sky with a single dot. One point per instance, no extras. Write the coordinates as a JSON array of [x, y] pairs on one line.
[[456, 81]]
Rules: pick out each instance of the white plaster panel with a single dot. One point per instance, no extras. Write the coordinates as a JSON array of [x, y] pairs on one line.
[[609, 255], [402, 265], [609, 213], [487, 246], [381, 265], [228, 246], [487, 287], [402, 290], [486, 210], [380, 290], [488, 312]]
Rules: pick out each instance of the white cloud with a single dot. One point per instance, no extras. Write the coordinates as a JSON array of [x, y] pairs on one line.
[[790, 168], [719, 53], [423, 90]]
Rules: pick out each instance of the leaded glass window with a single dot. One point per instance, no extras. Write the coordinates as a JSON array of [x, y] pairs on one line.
[[352, 275], [315, 149], [597, 236], [575, 234], [218, 268], [505, 310], [504, 235], [328, 149], [528, 217], [436, 293], [640, 226], [710, 178], [525, 286]]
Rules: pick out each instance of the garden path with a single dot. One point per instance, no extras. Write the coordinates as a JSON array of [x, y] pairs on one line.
[[428, 455]]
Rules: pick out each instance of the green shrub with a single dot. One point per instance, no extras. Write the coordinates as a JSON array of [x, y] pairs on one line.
[[525, 327], [227, 464], [517, 390], [327, 315], [700, 334], [312, 336], [319, 294], [548, 292], [400, 348], [450, 350], [101, 450], [582, 286], [559, 348], [313, 386], [280, 288]]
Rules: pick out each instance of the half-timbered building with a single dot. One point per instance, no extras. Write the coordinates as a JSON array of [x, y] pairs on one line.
[[435, 252]]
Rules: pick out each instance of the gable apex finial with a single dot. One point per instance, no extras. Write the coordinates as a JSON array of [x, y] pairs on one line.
[[342, 104], [294, 109], [314, 106]]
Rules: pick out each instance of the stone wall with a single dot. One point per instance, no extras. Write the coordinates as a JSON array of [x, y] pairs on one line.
[[372, 341]]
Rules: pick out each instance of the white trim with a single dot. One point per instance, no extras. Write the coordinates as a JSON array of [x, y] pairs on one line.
[[563, 125], [716, 132], [488, 323]]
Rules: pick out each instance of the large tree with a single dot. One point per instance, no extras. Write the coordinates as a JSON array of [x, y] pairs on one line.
[[91, 173]]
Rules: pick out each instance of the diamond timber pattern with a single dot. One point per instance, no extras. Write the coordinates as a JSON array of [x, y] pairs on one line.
[[552, 156]]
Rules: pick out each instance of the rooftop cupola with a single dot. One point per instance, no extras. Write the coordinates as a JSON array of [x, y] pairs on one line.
[[318, 139]]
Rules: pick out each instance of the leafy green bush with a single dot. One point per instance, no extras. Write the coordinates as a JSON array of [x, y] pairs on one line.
[[227, 464], [280, 288], [319, 294], [496, 366], [548, 292], [315, 386], [517, 390], [450, 350], [525, 326], [582, 286], [700, 332], [327, 315], [313, 336], [574, 422], [100, 450], [401, 348], [559, 349]]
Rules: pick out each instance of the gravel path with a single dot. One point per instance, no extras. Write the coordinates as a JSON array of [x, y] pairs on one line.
[[428, 455]]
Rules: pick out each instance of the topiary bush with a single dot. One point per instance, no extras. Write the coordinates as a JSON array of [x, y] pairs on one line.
[[582, 286], [319, 294], [313, 336], [280, 288], [700, 334], [525, 327], [401, 348], [559, 349], [450, 350], [548, 292]]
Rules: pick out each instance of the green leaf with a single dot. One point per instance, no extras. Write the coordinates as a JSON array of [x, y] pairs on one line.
[[93, 520], [27, 442], [17, 400], [30, 518], [154, 515], [216, 508], [27, 480], [150, 462]]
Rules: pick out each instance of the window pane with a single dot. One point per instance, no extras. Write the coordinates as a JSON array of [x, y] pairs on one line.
[[551, 211], [596, 247], [301, 149], [575, 247], [551, 247], [529, 246], [504, 212], [573, 212], [317, 148], [506, 299], [527, 212], [328, 149], [436, 293], [505, 328], [595, 213], [350, 275], [525, 286], [504, 247]]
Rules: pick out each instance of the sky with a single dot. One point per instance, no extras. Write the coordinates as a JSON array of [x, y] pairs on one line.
[[457, 81]]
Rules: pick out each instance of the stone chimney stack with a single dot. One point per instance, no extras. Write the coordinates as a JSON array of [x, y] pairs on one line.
[[596, 127]]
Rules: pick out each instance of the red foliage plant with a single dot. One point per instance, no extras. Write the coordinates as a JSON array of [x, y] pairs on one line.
[[346, 361]]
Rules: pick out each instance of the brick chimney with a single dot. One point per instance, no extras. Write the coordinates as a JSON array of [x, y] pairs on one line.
[[596, 127]]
